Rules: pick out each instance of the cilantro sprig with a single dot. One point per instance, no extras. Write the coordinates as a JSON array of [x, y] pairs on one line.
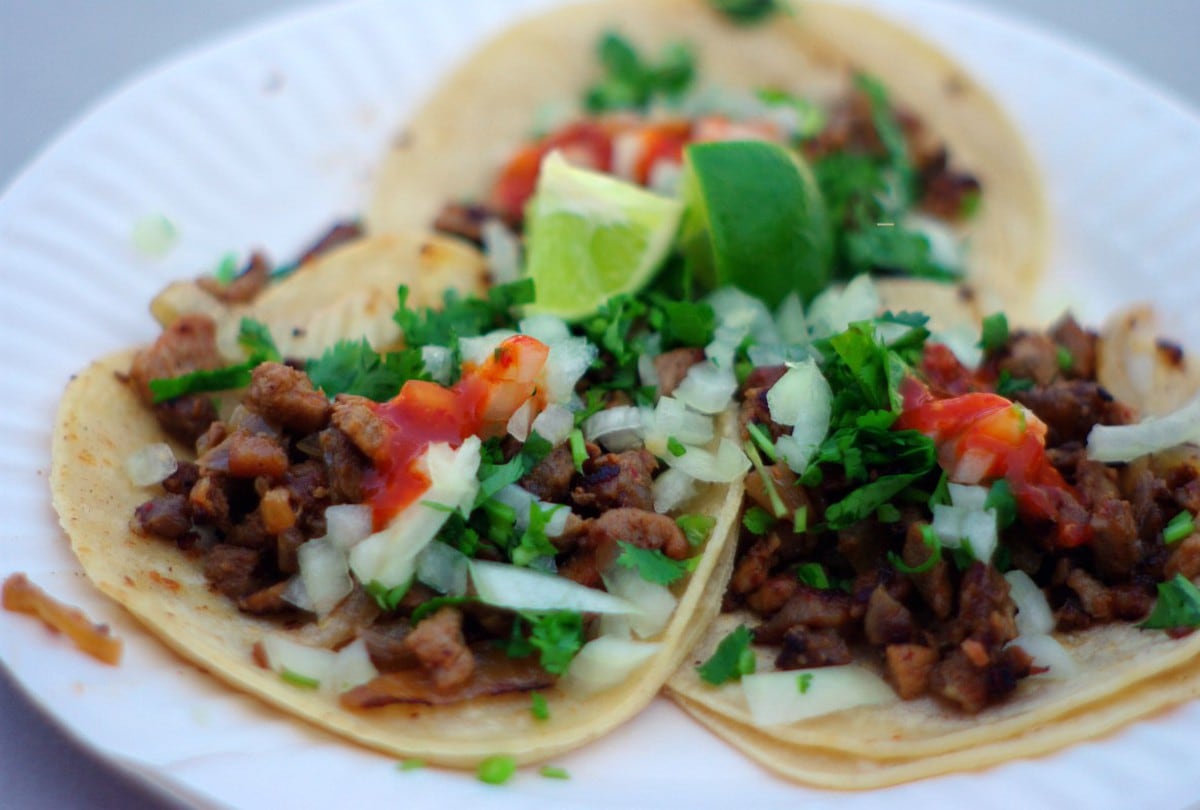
[[654, 566], [631, 82], [353, 367], [1178, 605], [254, 338], [732, 659]]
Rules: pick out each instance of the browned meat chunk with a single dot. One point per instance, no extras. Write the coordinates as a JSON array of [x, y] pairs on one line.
[[286, 397], [246, 455], [438, 643], [933, 585], [266, 601], [887, 621], [277, 512], [1095, 598], [773, 594], [1071, 408], [550, 479], [232, 570], [183, 479], [496, 674], [802, 648], [356, 417], [973, 687], [945, 192], [1080, 346], [245, 287], [339, 234], [210, 502], [345, 466], [673, 366], [464, 221], [617, 480], [385, 645], [1116, 546], [1031, 356], [189, 344], [167, 516], [640, 528], [186, 418], [908, 667], [794, 497], [754, 566], [813, 608], [986, 612], [1184, 559]]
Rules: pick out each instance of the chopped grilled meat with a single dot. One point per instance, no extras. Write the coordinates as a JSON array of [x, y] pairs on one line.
[[338, 234], [769, 597], [1031, 356], [671, 367], [187, 417], [189, 344], [356, 417], [754, 566], [1071, 408], [437, 642], [802, 647], [345, 466], [167, 516], [908, 667], [232, 570], [286, 397], [640, 528], [245, 287], [550, 479], [266, 601], [1080, 346], [813, 608], [887, 621], [495, 674], [617, 481], [933, 585], [464, 221]]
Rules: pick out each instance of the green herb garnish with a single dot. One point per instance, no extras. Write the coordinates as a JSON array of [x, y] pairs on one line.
[[353, 367], [654, 566], [538, 707], [757, 520], [994, 333], [553, 772], [732, 659], [1178, 605], [1179, 527], [696, 528], [496, 770]]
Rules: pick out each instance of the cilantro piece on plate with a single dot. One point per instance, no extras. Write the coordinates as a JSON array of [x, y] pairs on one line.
[[353, 367], [1178, 605], [654, 566], [553, 772], [556, 636], [496, 770], [732, 659]]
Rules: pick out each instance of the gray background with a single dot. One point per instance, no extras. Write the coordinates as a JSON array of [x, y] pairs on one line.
[[59, 57]]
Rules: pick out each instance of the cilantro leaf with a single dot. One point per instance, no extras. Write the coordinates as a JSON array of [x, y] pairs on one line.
[[654, 566], [994, 332], [255, 339], [353, 367], [557, 637], [1001, 499], [387, 598], [461, 317], [1178, 605], [495, 477], [732, 659], [683, 323], [813, 575], [533, 543]]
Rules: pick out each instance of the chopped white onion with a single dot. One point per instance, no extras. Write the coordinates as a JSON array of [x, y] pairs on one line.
[[1034, 616], [801, 395], [516, 588], [671, 489], [388, 556], [968, 497], [956, 525], [723, 347], [606, 662], [945, 247], [554, 424], [294, 594], [546, 328], [151, 464], [776, 698], [836, 308], [796, 454], [793, 326], [727, 464], [566, 363], [352, 667], [1046, 651], [284, 655], [618, 428], [973, 465], [707, 387], [347, 524], [655, 603], [443, 568], [521, 499], [666, 177], [963, 342], [1113, 443], [438, 361], [740, 310], [325, 573], [647, 371], [502, 249], [519, 423], [478, 350], [671, 417]]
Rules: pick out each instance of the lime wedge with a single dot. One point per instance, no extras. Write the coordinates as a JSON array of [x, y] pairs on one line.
[[755, 219], [591, 237]]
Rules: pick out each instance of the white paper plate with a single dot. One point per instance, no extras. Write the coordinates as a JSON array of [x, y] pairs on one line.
[[263, 140]]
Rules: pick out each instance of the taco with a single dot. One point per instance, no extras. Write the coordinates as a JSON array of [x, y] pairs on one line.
[[955, 562], [628, 84], [438, 570]]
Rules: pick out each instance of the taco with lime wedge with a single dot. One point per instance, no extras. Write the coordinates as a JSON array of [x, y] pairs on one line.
[[449, 541], [920, 173], [951, 558]]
